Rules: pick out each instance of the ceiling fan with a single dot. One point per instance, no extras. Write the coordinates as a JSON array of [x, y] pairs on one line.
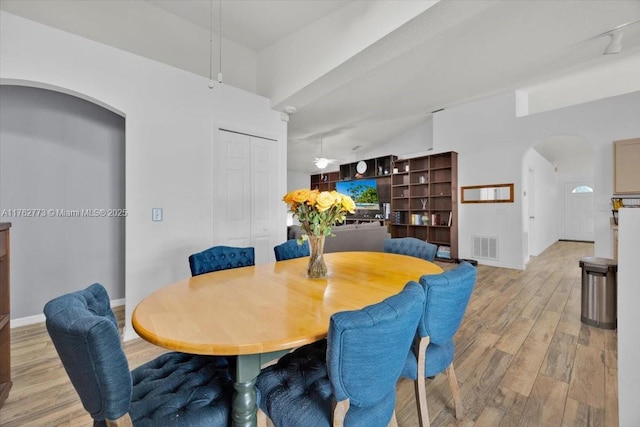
[[322, 162]]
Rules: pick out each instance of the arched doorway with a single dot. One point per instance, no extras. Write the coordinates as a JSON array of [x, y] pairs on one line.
[[62, 157], [555, 171]]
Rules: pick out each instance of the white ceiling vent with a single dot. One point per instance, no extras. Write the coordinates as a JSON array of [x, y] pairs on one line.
[[485, 247]]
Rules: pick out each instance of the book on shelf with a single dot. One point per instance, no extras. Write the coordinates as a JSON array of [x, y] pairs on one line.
[[450, 218], [443, 252]]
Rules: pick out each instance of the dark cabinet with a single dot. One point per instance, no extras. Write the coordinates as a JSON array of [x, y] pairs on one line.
[[5, 342]]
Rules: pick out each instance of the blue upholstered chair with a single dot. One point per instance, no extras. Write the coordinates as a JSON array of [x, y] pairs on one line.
[[356, 367], [447, 296], [221, 258], [173, 389], [291, 249], [410, 246]]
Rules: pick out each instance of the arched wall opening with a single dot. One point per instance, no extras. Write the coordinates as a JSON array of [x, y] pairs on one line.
[[62, 185], [551, 168]]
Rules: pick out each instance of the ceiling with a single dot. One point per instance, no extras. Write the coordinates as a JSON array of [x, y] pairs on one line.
[[448, 54]]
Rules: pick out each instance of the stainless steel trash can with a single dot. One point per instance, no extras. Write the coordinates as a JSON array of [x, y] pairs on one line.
[[599, 292]]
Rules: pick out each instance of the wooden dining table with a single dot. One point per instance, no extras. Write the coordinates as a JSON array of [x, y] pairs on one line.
[[261, 312]]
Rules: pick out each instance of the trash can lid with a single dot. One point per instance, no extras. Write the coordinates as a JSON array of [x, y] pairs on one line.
[[610, 264]]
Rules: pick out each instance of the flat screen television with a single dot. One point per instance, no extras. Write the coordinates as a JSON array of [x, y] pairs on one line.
[[364, 193]]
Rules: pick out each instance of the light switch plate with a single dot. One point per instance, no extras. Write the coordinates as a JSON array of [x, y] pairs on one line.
[[156, 214]]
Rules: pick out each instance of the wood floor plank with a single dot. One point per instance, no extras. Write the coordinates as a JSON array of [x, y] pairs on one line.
[[587, 378], [545, 406], [545, 327], [522, 372], [611, 388], [570, 320], [559, 360], [580, 414], [478, 388], [520, 342], [504, 409], [511, 341]]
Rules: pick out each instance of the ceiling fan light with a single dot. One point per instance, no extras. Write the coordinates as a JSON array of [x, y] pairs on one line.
[[615, 45], [322, 163]]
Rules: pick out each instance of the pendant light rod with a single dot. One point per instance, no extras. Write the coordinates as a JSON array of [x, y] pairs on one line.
[[211, 85], [220, 43]]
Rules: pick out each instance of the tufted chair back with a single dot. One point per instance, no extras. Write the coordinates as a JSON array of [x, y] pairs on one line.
[[366, 350], [447, 296], [220, 258], [195, 390], [410, 246], [291, 249], [85, 334], [358, 366]]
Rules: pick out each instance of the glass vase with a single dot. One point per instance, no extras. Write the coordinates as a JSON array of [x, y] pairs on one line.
[[317, 268]]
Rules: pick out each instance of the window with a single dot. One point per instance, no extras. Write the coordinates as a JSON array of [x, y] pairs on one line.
[[582, 189]]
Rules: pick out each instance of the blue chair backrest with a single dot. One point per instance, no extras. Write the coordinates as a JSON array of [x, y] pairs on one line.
[[85, 334], [221, 258], [367, 348], [410, 246], [447, 296], [291, 249]]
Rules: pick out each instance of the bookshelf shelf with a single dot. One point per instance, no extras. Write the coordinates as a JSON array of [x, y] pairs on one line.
[[424, 200]]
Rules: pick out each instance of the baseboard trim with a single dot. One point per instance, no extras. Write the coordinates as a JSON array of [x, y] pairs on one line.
[[39, 318], [129, 334]]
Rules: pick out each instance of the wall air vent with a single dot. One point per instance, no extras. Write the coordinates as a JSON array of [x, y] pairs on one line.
[[485, 247]]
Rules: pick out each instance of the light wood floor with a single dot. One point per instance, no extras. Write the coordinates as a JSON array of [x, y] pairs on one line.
[[523, 358]]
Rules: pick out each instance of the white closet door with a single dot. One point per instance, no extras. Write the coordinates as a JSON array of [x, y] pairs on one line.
[[263, 196], [249, 192], [234, 187]]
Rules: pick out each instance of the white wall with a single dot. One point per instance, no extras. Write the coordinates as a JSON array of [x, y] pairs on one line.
[[170, 120], [59, 152], [491, 142], [628, 331], [297, 180], [414, 142], [546, 206], [164, 37], [615, 76]]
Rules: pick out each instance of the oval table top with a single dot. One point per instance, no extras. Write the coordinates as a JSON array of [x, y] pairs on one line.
[[269, 307]]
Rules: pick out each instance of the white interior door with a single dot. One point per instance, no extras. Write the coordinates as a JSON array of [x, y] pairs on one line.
[[263, 193], [247, 184], [234, 207], [578, 212]]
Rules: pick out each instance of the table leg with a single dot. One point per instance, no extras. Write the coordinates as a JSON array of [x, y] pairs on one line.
[[244, 404]]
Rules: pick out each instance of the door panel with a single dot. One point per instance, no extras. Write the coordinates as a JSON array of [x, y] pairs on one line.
[[235, 186], [263, 172]]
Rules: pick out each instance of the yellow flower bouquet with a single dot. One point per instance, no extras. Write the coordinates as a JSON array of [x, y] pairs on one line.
[[318, 212]]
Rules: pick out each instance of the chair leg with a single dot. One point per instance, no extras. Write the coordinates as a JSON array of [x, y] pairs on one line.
[[262, 418], [455, 391], [420, 383], [340, 410], [393, 422], [123, 421]]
